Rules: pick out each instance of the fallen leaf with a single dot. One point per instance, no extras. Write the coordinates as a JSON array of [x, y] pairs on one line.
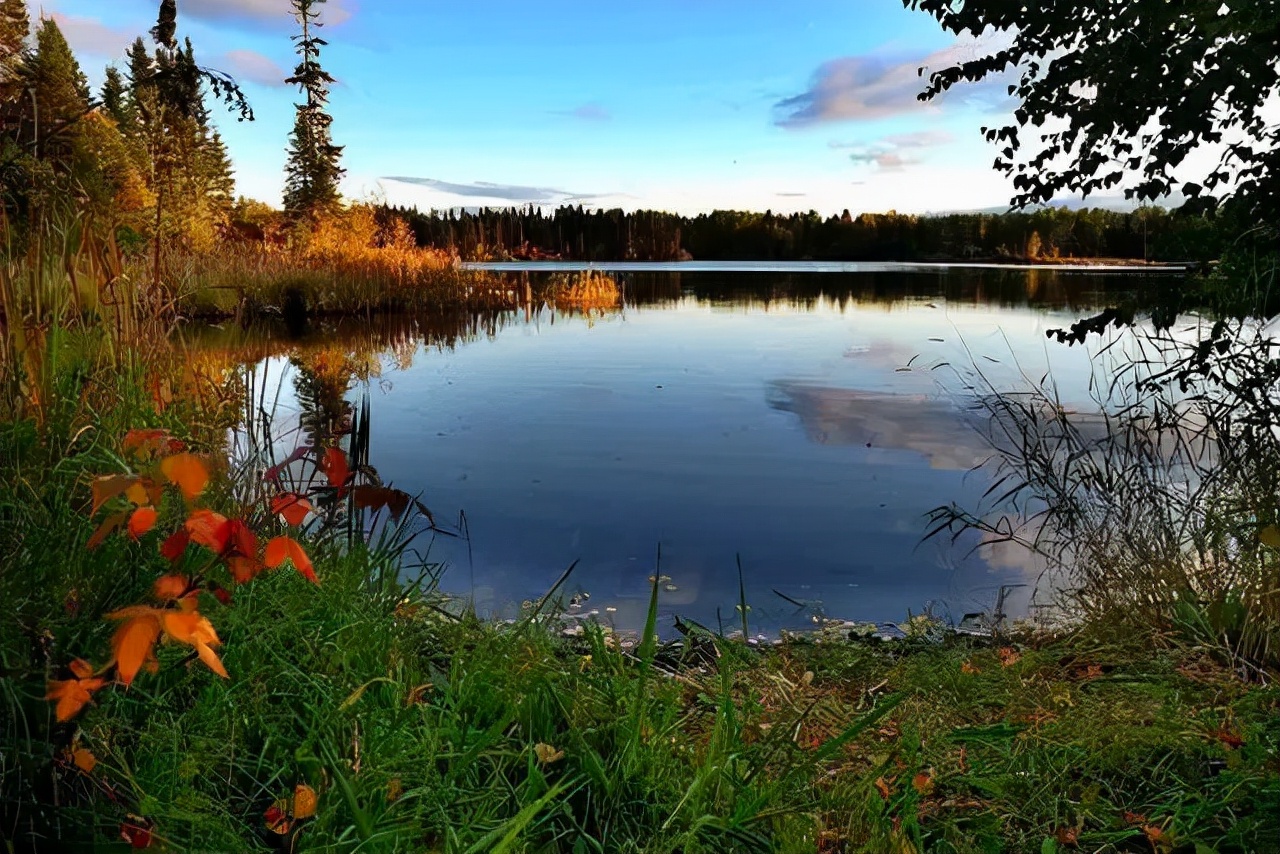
[[1068, 836], [1009, 656], [84, 760], [547, 754], [293, 507], [1134, 817], [134, 640], [281, 549], [1156, 835], [968, 669], [141, 521], [188, 472], [923, 782], [883, 788], [1229, 737], [304, 801], [335, 468]]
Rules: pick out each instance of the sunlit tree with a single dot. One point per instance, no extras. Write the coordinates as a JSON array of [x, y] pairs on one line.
[[312, 171]]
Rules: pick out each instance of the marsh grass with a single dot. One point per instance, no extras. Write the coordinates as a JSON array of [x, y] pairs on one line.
[[1154, 508], [587, 290]]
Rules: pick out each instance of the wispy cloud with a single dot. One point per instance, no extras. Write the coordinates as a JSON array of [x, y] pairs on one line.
[[589, 112], [894, 152], [261, 11], [872, 86], [253, 67], [506, 192], [91, 36]]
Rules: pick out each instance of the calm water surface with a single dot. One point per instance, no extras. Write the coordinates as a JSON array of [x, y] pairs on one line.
[[802, 422]]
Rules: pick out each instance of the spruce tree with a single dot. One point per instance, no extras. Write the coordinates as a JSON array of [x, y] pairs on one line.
[[14, 27], [312, 171], [60, 92]]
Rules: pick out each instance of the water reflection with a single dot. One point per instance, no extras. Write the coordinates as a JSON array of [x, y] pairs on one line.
[[791, 419]]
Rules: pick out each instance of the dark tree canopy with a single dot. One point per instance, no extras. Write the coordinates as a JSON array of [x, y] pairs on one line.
[[1116, 88], [312, 171]]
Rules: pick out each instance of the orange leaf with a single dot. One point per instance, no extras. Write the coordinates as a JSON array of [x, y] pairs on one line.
[[243, 569], [293, 507], [277, 819], [281, 549], [72, 695], [134, 640], [106, 488], [968, 669], [208, 529], [171, 587], [1008, 656], [108, 525], [150, 442], [923, 782], [81, 668], [883, 788], [84, 760], [188, 472], [195, 630], [141, 520], [334, 465], [1067, 836], [304, 801], [137, 493]]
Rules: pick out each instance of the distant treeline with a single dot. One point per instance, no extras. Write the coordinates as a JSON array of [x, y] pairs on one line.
[[574, 233]]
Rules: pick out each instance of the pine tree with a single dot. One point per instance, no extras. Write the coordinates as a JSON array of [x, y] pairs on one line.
[[115, 97], [59, 90], [15, 24], [312, 171]]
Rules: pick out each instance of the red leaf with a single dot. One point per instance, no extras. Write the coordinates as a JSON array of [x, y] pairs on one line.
[[136, 831], [239, 540], [281, 549], [141, 520], [174, 546], [377, 497], [335, 468], [208, 529], [243, 569], [293, 507]]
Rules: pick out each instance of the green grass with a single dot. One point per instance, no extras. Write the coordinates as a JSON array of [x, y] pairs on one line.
[[421, 730]]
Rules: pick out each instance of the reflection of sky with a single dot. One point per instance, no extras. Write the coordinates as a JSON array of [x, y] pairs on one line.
[[715, 430]]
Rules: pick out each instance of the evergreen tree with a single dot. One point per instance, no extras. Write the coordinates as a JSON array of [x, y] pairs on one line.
[[60, 92], [312, 171], [115, 97], [14, 27]]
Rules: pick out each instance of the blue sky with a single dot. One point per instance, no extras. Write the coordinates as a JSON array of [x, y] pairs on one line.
[[686, 105]]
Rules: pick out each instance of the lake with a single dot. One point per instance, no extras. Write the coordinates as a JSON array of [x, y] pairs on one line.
[[800, 419]]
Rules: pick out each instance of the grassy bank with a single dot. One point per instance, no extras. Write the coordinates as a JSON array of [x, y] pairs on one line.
[[420, 728]]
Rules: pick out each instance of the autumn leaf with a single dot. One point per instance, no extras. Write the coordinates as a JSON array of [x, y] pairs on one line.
[[1230, 738], [137, 494], [335, 468], [195, 630], [377, 497], [281, 549], [1009, 656], [293, 507], [150, 442], [73, 694], [136, 831], [1068, 837], [188, 472], [1159, 839], [134, 640], [394, 789], [104, 530], [175, 544], [84, 760], [239, 540], [208, 528], [171, 587], [969, 669], [547, 754], [883, 788], [304, 801], [106, 488], [243, 569], [141, 521], [277, 818], [923, 782]]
